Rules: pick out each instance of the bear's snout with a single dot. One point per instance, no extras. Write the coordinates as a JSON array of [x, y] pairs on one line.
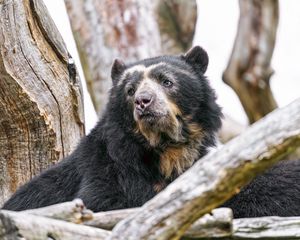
[[143, 101]]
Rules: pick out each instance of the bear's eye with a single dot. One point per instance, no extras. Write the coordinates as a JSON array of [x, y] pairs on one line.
[[167, 83], [130, 91]]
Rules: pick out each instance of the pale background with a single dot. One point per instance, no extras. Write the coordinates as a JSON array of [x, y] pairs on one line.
[[216, 29]]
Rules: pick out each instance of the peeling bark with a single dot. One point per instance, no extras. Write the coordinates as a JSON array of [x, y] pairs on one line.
[[108, 29], [215, 178], [41, 111], [248, 72]]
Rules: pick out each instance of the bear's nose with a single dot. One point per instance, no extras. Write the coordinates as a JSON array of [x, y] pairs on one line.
[[143, 100]]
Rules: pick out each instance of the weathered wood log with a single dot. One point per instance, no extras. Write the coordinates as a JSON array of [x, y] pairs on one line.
[[19, 225], [176, 22], [216, 224], [41, 111], [215, 178], [74, 211], [107, 220], [104, 30], [267, 227], [211, 226], [249, 71]]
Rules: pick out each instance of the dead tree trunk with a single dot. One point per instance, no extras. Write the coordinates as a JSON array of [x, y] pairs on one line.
[[177, 22], [41, 111], [249, 71], [108, 29]]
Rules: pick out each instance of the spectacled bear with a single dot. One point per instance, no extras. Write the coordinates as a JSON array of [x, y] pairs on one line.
[[161, 117]]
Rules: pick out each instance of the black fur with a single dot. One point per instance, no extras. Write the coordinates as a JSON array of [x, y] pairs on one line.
[[274, 193]]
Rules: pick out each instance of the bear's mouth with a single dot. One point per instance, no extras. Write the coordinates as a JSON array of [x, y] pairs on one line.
[[148, 117]]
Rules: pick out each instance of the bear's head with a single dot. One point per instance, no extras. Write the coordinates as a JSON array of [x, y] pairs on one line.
[[167, 102]]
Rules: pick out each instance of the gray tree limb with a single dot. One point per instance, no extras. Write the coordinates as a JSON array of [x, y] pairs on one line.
[[107, 220], [215, 178], [267, 227], [248, 71], [73, 211], [19, 225]]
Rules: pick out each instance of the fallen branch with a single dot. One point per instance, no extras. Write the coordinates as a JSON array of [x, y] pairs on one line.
[[74, 211], [107, 220], [218, 224], [18, 225], [267, 227], [215, 178]]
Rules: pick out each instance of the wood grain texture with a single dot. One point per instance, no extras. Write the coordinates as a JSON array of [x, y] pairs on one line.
[[249, 69], [19, 225], [267, 228], [215, 178], [107, 29], [107, 220], [41, 110]]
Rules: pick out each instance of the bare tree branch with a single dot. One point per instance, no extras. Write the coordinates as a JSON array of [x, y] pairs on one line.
[[107, 220], [19, 225], [267, 227], [249, 71], [74, 211]]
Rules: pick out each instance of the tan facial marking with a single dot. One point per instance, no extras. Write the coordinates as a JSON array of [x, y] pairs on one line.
[[152, 136], [139, 68], [168, 125], [180, 158], [196, 131], [170, 160]]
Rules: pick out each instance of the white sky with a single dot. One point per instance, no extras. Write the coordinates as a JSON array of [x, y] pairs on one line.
[[216, 30]]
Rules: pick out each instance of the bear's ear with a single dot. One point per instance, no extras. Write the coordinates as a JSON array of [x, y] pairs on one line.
[[117, 69], [198, 58]]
